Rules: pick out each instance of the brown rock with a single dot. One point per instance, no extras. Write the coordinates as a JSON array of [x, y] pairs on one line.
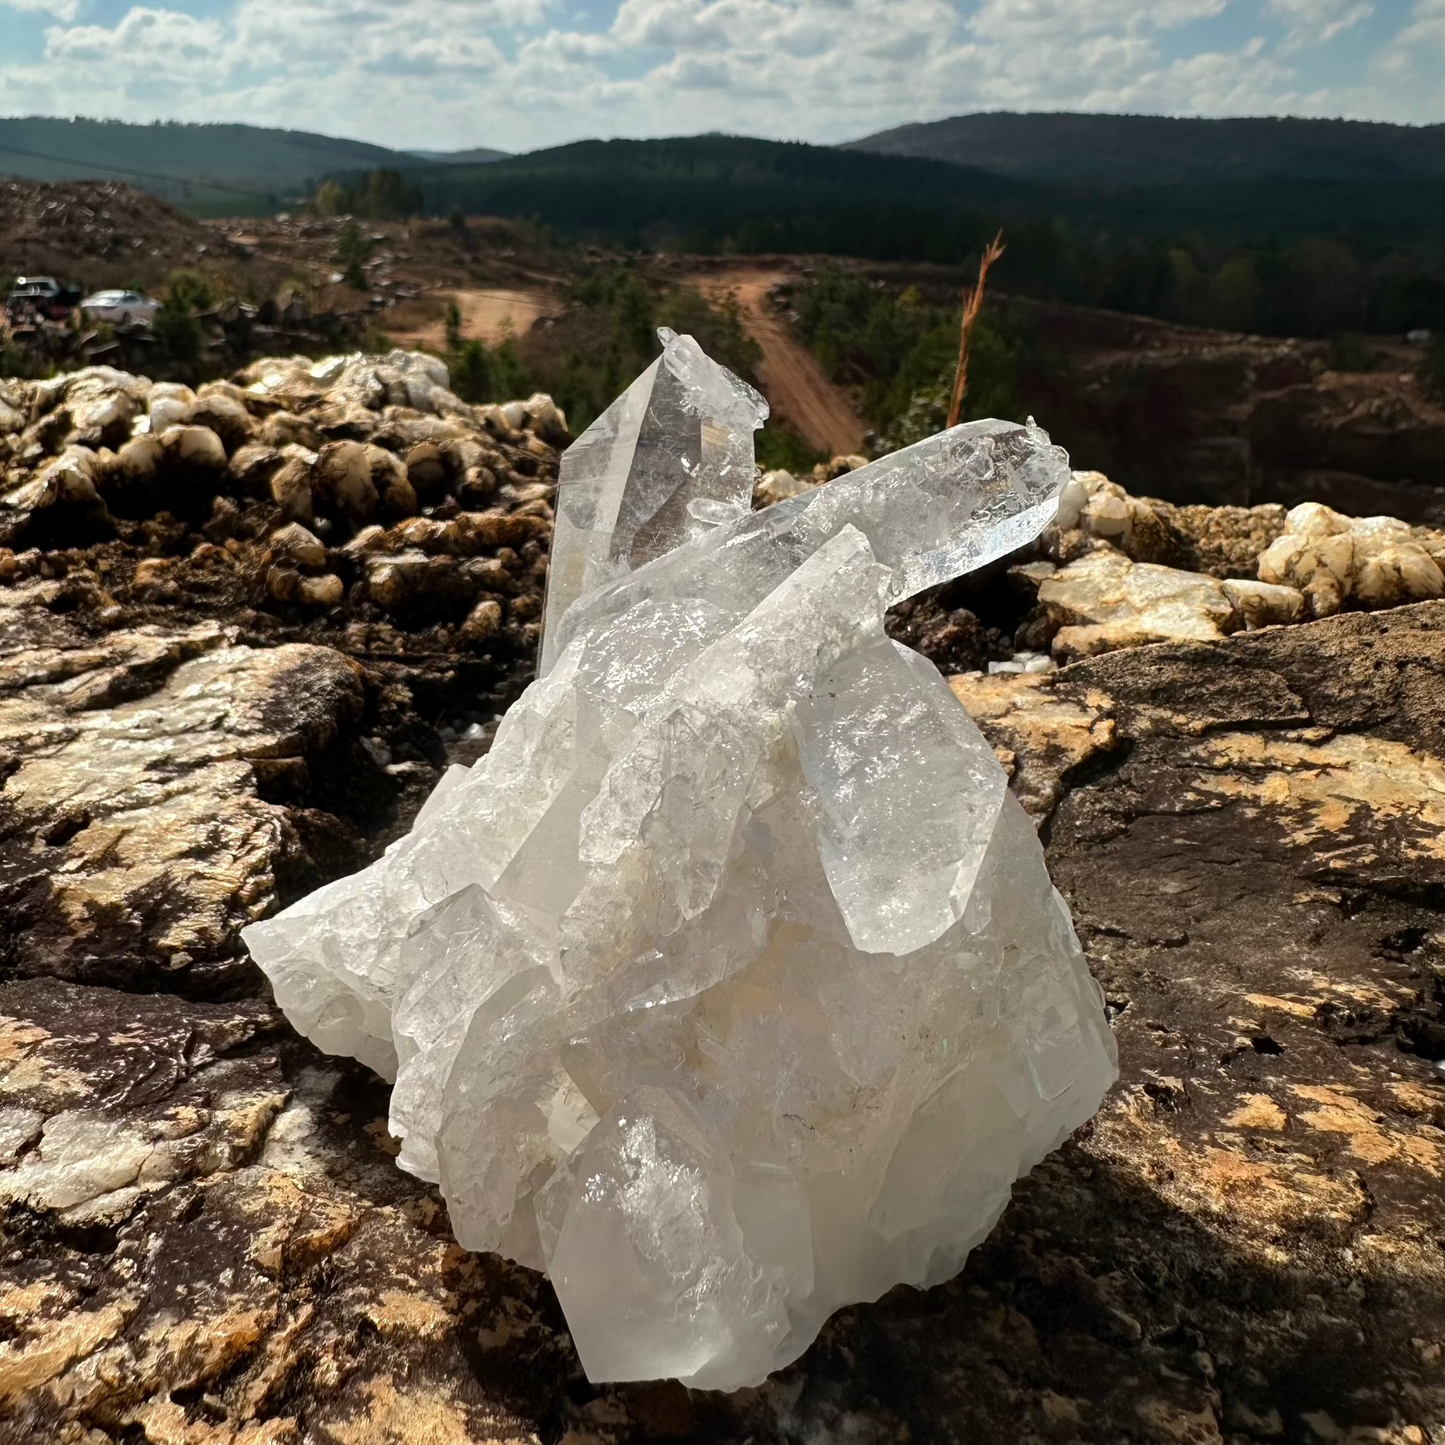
[[343, 480], [134, 834], [426, 468], [1243, 1246], [195, 447], [483, 620], [324, 591], [251, 467], [303, 547], [221, 408], [291, 490], [390, 479]]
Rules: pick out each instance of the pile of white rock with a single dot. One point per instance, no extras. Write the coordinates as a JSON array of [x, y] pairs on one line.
[[730, 986], [1100, 586]]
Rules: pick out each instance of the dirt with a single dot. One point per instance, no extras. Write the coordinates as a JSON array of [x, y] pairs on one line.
[[100, 233], [491, 316], [799, 390]]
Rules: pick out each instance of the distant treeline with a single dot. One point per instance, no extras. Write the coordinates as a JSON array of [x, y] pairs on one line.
[[1298, 257]]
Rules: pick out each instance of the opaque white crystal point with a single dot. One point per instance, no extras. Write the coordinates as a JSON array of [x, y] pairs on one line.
[[730, 986]]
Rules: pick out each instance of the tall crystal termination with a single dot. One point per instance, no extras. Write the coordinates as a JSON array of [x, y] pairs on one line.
[[730, 986]]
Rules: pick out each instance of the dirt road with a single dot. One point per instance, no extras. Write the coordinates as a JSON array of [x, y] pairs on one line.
[[795, 384]]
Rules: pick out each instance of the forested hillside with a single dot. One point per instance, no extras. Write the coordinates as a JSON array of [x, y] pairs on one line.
[[208, 168], [1312, 257], [1155, 149]]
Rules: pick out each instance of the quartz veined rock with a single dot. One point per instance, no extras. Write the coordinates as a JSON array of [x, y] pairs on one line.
[[730, 986]]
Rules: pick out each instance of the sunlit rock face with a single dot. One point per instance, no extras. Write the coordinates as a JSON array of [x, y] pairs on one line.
[[730, 986]]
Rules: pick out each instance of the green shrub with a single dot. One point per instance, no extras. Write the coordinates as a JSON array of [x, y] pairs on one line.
[[190, 291], [177, 328], [897, 353], [353, 246], [778, 448], [332, 199]]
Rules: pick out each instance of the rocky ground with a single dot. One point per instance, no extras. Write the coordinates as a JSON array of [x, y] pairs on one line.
[[242, 631], [1209, 416]]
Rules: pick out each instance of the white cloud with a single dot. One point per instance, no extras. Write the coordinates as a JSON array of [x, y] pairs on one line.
[[165, 38], [61, 9], [1010, 20], [1317, 22], [521, 74]]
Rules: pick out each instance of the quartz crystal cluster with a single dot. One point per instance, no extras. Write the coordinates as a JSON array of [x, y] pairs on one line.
[[730, 986]]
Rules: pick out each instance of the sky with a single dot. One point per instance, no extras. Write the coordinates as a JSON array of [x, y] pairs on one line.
[[521, 74]]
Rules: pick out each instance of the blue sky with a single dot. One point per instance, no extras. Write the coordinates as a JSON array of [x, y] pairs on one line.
[[518, 74]]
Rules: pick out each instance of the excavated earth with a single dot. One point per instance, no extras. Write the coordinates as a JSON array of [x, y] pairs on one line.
[[205, 1240]]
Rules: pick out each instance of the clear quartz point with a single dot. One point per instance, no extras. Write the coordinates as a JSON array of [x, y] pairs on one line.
[[656, 469], [730, 986]]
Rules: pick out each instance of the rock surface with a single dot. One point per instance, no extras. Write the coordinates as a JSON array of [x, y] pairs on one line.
[[206, 1239], [1224, 418]]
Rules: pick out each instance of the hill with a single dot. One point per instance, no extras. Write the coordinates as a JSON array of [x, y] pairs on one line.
[[711, 191], [207, 168], [692, 191], [1153, 149], [477, 156]]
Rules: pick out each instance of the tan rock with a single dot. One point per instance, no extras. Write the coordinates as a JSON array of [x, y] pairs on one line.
[[282, 583], [426, 468], [291, 490], [142, 751], [220, 406], [1264, 604], [301, 546], [483, 621], [1042, 730], [392, 483], [779, 486], [169, 405], [1336, 560], [284, 428], [325, 591], [194, 446], [1104, 601], [251, 467], [343, 480], [139, 459]]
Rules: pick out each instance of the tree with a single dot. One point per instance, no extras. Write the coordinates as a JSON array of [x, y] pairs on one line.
[[384, 195], [352, 248], [332, 199], [176, 327]]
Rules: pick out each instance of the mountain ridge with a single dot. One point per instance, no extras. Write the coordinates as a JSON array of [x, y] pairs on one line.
[[1154, 150], [205, 166]]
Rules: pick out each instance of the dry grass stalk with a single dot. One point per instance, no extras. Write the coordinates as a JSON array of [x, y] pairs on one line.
[[972, 304]]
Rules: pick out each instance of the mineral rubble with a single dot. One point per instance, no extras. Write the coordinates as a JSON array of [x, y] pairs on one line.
[[731, 986]]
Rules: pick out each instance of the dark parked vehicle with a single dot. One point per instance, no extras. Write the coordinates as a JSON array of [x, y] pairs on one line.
[[40, 297]]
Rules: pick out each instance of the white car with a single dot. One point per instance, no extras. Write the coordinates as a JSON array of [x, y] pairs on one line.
[[122, 308]]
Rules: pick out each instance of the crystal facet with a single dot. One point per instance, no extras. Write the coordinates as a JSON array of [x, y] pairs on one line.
[[730, 986], [667, 459]]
